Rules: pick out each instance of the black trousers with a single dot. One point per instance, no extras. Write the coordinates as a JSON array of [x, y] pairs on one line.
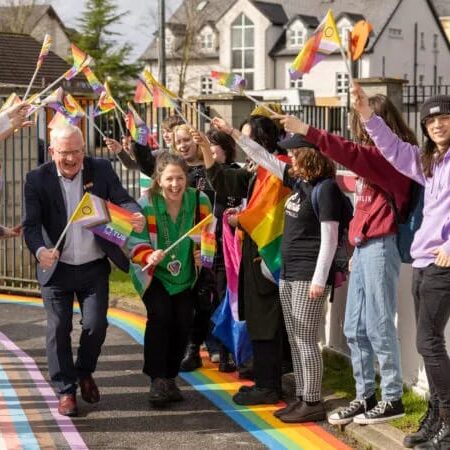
[[169, 318], [89, 282], [431, 292], [267, 356]]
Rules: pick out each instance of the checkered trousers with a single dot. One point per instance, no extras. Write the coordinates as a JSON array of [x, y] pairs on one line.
[[302, 317]]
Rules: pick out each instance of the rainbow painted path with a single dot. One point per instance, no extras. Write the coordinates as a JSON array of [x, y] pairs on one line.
[[21, 380]]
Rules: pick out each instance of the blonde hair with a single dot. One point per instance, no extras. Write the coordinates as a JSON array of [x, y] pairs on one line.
[[187, 129]]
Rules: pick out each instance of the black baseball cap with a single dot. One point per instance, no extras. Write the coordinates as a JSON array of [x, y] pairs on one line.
[[296, 141]]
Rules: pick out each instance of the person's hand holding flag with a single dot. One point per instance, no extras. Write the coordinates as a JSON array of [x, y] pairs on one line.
[[360, 102]]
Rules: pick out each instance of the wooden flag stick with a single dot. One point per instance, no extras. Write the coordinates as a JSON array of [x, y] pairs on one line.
[[36, 70], [257, 102]]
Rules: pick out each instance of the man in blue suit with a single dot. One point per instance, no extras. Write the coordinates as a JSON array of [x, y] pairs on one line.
[[79, 266]]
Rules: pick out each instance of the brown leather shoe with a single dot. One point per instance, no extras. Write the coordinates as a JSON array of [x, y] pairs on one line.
[[68, 405], [89, 390], [305, 413]]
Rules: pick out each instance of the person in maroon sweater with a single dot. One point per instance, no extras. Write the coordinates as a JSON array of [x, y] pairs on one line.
[[371, 308]]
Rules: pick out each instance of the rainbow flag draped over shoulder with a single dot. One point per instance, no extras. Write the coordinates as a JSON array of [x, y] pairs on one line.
[[324, 41], [118, 228], [263, 219]]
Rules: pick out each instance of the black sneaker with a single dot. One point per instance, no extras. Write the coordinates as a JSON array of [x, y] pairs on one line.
[[343, 416], [440, 440], [257, 396], [383, 412], [429, 425], [173, 391]]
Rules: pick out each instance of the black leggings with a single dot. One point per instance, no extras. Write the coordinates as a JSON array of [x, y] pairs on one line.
[[431, 291], [169, 319]]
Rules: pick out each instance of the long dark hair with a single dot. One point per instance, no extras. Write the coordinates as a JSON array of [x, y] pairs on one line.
[[265, 132], [225, 141]]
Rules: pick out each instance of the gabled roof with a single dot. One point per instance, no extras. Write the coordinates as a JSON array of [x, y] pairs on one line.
[[29, 15], [442, 7], [309, 21], [351, 16], [18, 56], [275, 13]]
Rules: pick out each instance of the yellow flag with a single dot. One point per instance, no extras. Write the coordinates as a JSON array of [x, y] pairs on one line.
[[90, 211]]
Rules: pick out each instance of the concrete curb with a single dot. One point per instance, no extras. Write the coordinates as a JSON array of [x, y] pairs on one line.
[[376, 437]]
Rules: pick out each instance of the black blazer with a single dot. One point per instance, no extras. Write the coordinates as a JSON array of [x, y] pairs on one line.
[[45, 215]]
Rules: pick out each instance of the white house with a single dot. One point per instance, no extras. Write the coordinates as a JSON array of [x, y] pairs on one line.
[[261, 39]]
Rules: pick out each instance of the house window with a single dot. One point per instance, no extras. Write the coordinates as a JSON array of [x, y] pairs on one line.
[[342, 82], [296, 35], [243, 48], [422, 40], [296, 84], [206, 85], [395, 33], [206, 40]]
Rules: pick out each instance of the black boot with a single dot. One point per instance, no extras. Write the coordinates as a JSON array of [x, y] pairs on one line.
[[173, 391], [192, 359], [427, 428], [159, 395], [226, 363], [441, 439]]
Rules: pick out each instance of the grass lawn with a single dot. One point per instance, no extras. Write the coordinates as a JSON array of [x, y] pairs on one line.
[[120, 285], [338, 378]]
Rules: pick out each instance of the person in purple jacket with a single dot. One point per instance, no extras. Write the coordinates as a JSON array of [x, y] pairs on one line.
[[430, 250]]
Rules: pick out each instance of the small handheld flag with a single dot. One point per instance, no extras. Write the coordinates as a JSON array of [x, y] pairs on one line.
[[136, 126], [324, 41], [13, 99], [161, 99], [359, 37], [96, 86], [232, 81], [44, 50], [105, 102], [90, 211], [142, 93]]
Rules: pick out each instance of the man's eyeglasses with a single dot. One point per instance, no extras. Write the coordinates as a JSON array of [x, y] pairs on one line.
[[66, 154]]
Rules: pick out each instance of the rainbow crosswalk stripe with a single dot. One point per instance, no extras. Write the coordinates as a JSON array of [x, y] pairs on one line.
[[218, 388]]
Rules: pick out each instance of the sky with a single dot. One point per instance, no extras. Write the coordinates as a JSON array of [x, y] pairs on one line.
[[136, 28]]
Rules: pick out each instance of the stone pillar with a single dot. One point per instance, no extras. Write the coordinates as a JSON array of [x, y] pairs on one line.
[[390, 87]]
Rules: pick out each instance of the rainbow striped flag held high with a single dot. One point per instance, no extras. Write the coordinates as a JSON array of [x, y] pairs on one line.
[[13, 99], [96, 86], [142, 93], [119, 227], [105, 102], [80, 61], [324, 41], [54, 99], [72, 110], [91, 211], [263, 219], [44, 50], [151, 82], [161, 99], [232, 81], [136, 126]]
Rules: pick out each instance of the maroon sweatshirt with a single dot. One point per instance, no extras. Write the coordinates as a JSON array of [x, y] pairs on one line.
[[378, 181]]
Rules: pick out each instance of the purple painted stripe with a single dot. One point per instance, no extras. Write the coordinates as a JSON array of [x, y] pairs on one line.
[[65, 424]]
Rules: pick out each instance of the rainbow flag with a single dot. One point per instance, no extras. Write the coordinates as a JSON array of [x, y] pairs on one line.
[[324, 41], [80, 61], [44, 50], [96, 86], [136, 126], [232, 81], [73, 110], [208, 244], [263, 219], [90, 211], [119, 227], [105, 102], [54, 99], [142, 93], [13, 99], [58, 120], [161, 99], [151, 82]]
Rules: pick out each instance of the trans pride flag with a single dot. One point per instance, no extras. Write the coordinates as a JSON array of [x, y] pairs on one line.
[[228, 328], [263, 219], [324, 41]]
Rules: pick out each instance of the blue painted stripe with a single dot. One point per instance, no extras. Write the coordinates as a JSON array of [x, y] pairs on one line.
[[18, 416]]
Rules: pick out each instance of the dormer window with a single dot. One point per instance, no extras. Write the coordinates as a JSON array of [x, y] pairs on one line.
[[296, 34], [207, 40]]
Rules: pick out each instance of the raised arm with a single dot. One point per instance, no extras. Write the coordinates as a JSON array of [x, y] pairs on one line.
[[253, 150], [404, 156]]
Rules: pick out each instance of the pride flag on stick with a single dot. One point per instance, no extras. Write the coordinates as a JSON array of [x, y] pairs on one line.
[[43, 53]]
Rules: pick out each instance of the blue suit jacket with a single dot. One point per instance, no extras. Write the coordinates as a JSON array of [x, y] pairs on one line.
[[45, 215]]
